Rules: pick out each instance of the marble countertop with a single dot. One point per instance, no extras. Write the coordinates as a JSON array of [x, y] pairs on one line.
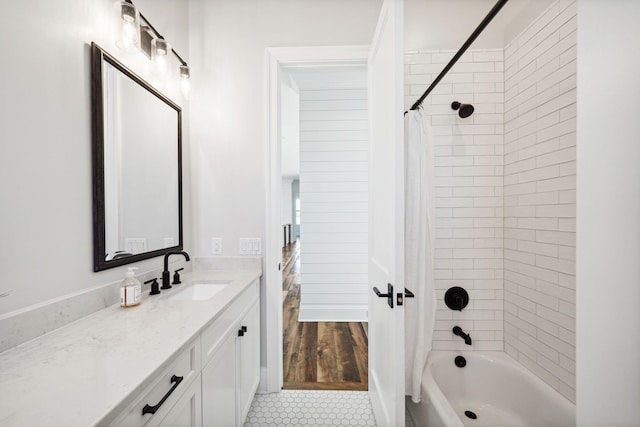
[[83, 373]]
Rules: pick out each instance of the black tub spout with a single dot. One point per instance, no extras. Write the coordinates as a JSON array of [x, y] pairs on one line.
[[457, 330]]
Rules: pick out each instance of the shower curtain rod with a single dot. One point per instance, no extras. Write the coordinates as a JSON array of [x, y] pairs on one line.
[[492, 13]]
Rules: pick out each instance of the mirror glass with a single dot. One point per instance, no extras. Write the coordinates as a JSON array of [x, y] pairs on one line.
[[137, 166]]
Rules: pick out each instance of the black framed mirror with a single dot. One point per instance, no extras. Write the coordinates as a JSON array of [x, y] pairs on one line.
[[137, 166]]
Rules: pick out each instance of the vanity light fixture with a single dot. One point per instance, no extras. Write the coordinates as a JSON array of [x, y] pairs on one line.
[[129, 27], [185, 81], [139, 35]]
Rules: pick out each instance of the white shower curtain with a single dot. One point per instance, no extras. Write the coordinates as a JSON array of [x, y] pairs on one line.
[[419, 249]]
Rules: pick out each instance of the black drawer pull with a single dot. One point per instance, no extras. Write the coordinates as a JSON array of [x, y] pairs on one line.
[[152, 409]]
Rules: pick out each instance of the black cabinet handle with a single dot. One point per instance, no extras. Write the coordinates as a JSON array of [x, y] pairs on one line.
[[244, 329], [152, 409], [240, 333]]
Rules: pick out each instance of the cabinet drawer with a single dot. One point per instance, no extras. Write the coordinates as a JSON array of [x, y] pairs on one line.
[[169, 385], [214, 334], [187, 412]]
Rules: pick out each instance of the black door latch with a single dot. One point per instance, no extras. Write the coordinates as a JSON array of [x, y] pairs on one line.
[[388, 295]]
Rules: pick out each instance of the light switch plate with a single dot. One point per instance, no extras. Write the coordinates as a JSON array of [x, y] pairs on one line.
[[250, 246], [216, 245]]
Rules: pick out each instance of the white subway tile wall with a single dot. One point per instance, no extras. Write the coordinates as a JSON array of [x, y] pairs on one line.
[[506, 193], [540, 197], [469, 189]]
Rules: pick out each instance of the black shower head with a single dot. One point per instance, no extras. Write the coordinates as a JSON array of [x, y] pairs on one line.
[[464, 110]]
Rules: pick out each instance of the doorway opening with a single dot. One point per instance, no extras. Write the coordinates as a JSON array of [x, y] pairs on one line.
[[281, 61], [324, 165]]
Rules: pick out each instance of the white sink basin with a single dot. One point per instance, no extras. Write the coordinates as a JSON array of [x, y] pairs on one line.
[[200, 290]]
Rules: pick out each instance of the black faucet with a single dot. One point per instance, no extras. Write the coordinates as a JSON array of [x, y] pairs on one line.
[[166, 276], [457, 330]]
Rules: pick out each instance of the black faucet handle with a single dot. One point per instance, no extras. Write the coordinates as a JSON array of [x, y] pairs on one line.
[[176, 277], [154, 286]]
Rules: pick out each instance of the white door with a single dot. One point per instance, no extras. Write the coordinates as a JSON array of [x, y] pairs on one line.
[[386, 217]]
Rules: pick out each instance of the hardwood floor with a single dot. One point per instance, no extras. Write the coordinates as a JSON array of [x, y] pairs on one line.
[[319, 355]]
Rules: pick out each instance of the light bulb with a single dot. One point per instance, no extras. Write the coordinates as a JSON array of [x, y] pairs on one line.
[[160, 55], [129, 27], [185, 81], [129, 35]]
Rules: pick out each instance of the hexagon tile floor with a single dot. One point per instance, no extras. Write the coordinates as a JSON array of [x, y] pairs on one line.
[[311, 408]]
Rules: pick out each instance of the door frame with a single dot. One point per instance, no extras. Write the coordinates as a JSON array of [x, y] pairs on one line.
[[276, 59]]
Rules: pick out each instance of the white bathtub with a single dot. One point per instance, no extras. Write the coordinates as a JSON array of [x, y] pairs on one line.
[[494, 387]]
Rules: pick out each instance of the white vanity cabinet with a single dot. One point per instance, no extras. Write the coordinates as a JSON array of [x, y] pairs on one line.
[[219, 371], [231, 362]]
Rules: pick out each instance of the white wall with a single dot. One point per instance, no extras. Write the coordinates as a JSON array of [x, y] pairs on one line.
[[539, 197], [287, 200], [468, 160], [228, 125], [334, 199], [437, 24], [290, 127], [45, 157], [608, 213]]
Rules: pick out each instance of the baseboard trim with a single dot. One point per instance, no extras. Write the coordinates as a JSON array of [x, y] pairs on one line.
[[346, 385]]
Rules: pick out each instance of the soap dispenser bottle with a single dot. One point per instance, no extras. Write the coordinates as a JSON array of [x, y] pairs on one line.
[[130, 290]]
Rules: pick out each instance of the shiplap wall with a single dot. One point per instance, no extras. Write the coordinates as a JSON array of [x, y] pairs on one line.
[[469, 180], [540, 197], [333, 203]]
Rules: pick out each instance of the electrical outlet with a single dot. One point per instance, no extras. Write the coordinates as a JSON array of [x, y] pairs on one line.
[[250, 246], [216, 245], [169, 242]]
